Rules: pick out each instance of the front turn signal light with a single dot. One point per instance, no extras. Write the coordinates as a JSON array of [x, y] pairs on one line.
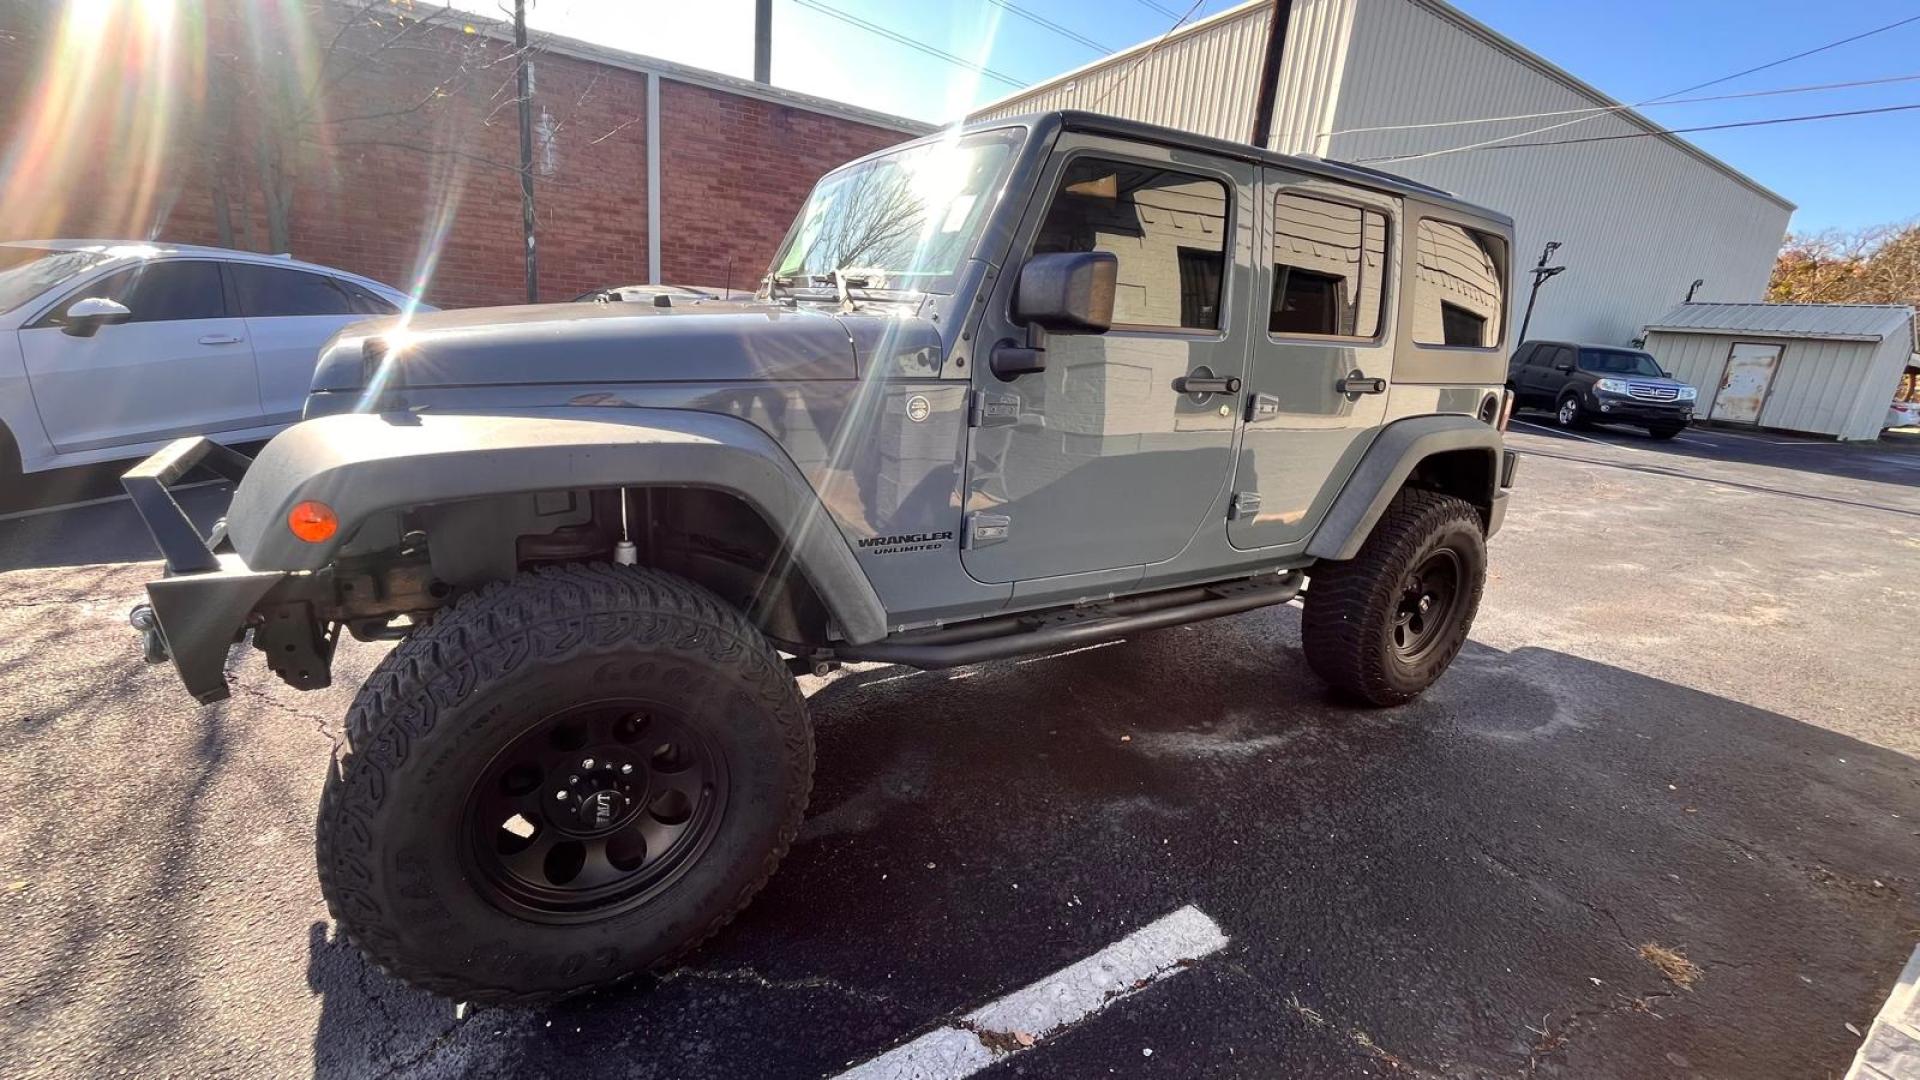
[[314, 522]]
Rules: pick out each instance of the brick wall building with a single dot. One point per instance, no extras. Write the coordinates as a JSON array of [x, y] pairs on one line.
[[390, 145]]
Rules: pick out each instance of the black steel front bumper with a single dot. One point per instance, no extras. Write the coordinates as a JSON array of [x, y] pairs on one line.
[[200, 609]]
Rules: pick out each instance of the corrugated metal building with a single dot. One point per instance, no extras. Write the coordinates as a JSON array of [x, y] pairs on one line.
[[1640, 218], [1828, 369]]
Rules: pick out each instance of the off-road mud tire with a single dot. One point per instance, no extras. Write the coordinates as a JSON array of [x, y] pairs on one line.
[[458, 690], [1347, 627]]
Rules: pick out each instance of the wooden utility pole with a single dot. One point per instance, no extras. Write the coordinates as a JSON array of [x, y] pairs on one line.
[[1541, 273], [1267, 94], [526, 147]]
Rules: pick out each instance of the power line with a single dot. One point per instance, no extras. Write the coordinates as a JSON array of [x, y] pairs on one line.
[[1596, 110], [1151, 6], [1150, 50], [1673, 131], [1065, 32], [1653, 100], [1789, 59], [911, 43]]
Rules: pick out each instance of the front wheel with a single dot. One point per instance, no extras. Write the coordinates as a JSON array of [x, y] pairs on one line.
[[564, 779], [1570, 414], [1383, 626]]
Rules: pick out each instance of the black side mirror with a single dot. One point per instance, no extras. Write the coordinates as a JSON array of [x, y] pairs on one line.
[[85, 317], [1068, 292], [1563, 367], [1059, 293]]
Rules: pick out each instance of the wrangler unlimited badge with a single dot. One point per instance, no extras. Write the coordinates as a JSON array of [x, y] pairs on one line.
[[894, 545]]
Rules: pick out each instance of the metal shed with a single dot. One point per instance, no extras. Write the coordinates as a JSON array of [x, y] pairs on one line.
[[1827, 369], [1402, 85]]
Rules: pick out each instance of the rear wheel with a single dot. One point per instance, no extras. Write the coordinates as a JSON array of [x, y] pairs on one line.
[[564, 779], [1383, 626]]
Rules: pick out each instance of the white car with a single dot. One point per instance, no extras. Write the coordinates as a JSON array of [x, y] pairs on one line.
[[109, 350]]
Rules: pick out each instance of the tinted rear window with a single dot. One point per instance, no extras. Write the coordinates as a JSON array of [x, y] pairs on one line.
[[365, 301], [275, 292]]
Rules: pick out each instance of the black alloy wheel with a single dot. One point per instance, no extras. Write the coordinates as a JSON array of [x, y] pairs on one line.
[[594, 809], [1428, 597]]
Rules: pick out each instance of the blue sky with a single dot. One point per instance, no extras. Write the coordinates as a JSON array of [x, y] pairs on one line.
[[1844, 173]]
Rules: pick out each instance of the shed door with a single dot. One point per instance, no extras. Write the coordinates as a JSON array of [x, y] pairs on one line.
[[1743, 389]]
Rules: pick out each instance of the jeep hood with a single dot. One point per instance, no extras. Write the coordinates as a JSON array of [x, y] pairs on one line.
[[593, 343]]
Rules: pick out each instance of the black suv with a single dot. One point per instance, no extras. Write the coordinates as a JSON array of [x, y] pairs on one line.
[[1589, 384]]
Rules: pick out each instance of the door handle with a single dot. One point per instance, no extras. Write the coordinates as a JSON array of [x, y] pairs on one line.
[[219, 339], [1356, 384], [1207, 384]]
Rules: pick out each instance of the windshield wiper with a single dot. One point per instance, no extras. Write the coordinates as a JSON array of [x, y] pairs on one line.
[[843, 285]]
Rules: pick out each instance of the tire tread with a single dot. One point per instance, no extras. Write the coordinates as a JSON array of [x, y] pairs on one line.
[[547, 614], [1335, 626]]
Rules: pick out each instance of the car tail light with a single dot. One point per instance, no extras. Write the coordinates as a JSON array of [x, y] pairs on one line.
[[314, 522], [1506, 409]]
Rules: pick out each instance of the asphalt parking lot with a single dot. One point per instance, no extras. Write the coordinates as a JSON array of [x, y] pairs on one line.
[[1661, 819]]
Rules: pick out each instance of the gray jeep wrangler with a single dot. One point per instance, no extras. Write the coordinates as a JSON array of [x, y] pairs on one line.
[[1019, 387]]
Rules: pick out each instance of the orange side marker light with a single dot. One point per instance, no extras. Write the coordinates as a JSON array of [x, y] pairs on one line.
[[314, 522]]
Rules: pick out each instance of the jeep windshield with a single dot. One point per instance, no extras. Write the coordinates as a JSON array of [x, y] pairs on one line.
[[904, 221], [1619, 362]]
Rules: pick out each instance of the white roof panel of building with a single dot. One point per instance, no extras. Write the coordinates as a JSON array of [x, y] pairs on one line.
[[1838, 322], [1094, 82]]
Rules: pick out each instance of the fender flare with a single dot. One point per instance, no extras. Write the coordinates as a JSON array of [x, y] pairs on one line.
[[362, 464], [1384, 468]]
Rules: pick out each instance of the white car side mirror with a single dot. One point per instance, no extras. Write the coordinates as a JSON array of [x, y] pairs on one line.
[[85, 317]]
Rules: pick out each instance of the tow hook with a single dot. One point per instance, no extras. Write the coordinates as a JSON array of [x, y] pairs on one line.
[[141, 619]]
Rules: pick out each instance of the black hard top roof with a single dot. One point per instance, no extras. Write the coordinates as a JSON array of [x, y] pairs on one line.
[[1099, 123]]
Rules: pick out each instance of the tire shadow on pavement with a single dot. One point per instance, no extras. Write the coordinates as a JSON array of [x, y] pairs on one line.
[[1470, 884]]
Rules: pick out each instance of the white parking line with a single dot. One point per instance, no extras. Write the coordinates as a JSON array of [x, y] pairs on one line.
[[1563, 431], [1892, 1048], [1000, 1029]]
